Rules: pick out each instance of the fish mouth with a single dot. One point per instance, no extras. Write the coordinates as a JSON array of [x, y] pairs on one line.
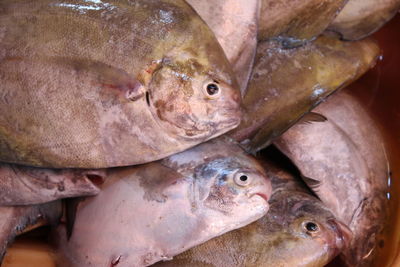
[[262, 195], [343, 237]]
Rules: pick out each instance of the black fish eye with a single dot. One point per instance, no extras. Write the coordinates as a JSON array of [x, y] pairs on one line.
[[243, 178], [212, 89], [311, 227]]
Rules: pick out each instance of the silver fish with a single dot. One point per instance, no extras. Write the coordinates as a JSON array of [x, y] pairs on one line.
[[343, 160], [152, 212], [297, 231]]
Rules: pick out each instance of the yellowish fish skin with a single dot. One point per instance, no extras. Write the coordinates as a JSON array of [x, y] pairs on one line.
[[237, 34], [297, 21], [288, 83], [360, 18], [280, 238], [93, 84]]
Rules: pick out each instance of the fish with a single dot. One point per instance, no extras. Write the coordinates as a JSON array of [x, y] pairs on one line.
[[298, 230], [106, 83], [151, 212], [294, 23], [236, 34], [18, 219], [288, 83], [23, 185], [361, 18], [344, 162]]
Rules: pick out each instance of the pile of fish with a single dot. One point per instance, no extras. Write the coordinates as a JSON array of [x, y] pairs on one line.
[[139, 131]]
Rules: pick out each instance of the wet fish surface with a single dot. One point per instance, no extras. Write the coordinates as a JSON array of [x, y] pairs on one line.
[[296, 22], [93, 84], [235, 24], [14, 220], [152, 212], [360, 18], [344, 161], [23, 185], [288, 83], [298, 230]]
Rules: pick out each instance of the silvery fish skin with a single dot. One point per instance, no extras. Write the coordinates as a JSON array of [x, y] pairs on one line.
[[152, 212], [234, 23], [360, 18], [22, 185], [14, 220], [297, 21], [288, 83], [281, 237], [93, 84], [344, 162]]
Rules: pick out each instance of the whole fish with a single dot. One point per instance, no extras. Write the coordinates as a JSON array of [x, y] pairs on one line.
[[234, 23], [15, 220], [287, 83], [155, 211], [297, 231], [343, 160], [102, 83], [297, 21], [22, 185], [360, 18]]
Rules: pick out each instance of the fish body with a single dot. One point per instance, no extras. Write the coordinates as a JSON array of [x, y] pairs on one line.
[[23, 185], [360, 18], [93, 84], [152, 212], [287, 83], [235, 24], [281, 237], [344, 162], [296, 22], [15, 220]]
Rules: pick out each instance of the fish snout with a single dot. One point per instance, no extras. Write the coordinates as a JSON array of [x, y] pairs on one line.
[[343, 233], [262, 189]]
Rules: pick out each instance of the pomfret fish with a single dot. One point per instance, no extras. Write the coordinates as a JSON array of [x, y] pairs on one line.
[[297, 231], [93, 84], [287, 83], [234, 23], [22, 185], [360, 18], [297, 21], [15, 220], [155, 211], [343, 160]]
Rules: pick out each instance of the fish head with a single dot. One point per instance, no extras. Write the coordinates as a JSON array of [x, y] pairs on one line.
[[310, 235], [234, 189], [190, 100]]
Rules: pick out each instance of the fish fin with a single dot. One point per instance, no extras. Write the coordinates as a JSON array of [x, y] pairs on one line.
[[312, 183], [312, 117], [71, 206], [110, 78]]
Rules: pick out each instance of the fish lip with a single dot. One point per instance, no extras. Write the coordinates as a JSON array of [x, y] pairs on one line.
[[344, 235], [262, 195]]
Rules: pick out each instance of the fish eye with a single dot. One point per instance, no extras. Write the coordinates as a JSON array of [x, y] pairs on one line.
[[311, 227], [212, 89], [242, 179]]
